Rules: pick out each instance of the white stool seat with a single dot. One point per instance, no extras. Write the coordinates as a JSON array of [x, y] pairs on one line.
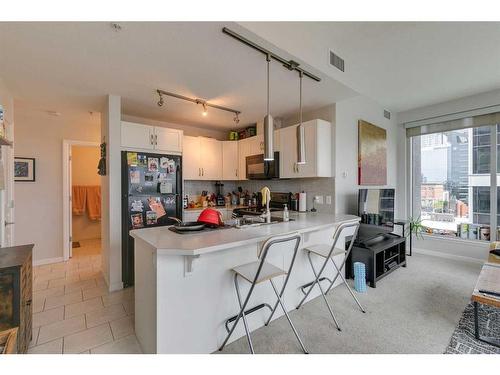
[[268, 271], [323, 250]]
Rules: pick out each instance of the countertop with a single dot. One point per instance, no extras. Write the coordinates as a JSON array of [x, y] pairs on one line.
[[169, 243], [215, 208]]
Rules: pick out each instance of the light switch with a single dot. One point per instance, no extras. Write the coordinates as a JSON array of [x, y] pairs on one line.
[[318, 199]]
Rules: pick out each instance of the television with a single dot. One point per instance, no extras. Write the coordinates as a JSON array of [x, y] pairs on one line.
[[376, 206]]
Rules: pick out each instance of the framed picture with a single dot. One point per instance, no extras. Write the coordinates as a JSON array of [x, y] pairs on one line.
[[372, 154], [24, 169]]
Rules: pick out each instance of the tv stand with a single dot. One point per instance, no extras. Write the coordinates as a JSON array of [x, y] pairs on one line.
[[381, 255]]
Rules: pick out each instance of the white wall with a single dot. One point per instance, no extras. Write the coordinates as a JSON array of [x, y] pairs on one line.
[[348, 112], [111, 194], [38, 205]]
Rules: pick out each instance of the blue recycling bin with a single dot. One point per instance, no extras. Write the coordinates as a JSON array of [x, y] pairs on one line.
[[359, 277]]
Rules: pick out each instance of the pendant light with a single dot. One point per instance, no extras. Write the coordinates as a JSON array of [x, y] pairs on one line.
[[301, 141], [268, 123]]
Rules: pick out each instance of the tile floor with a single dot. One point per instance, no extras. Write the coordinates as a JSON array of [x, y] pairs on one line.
[[73, 312]]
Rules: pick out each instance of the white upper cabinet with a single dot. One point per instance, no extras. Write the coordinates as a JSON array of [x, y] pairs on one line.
[[137, 136], [168, 140], [318, 145], [201, 158], [230, 160], [151, 138]]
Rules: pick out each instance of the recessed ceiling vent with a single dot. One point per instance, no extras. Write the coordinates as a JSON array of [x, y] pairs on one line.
[[387, 114], [336, 61]]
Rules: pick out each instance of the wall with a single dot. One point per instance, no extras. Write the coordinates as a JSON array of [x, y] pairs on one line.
[[38, 205], [111, 242], [348, 112], [84, 160]]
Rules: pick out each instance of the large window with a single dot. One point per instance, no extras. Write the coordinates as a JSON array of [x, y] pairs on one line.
[[451, 181]]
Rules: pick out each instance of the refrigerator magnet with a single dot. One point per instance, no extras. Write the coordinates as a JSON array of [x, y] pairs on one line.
[[135, 177], [132, 158], [137, 206], [152, 164], [151, 218], [164, 163], [137, 221], [142, 161]]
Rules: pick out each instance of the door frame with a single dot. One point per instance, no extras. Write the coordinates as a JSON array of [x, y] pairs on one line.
[[67, 178]]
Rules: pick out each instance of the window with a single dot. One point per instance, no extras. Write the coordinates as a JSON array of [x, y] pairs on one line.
[[451, 182]]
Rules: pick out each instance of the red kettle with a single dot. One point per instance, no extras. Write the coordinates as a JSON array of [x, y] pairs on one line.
[[211, 217]]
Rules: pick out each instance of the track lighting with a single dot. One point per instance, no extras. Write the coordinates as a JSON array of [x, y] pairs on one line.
[[204, 103]]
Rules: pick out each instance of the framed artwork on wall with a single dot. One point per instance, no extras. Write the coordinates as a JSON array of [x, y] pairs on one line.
[[372, 154], [24, 169]]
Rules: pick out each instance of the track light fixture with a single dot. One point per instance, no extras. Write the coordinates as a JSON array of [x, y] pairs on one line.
[[204, 103]]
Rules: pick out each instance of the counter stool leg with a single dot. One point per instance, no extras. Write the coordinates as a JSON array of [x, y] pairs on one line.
[[243, 314], [288, 318], [322, 292], [338, 272], [476, 320], [348, 287]]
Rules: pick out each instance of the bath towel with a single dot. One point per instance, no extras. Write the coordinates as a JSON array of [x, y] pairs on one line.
[[94, 202], [79, 199]]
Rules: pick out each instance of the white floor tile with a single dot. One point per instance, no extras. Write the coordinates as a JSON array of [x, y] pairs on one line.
[[90, 338], [48, 316], [126, 345], [122, 327], [83, 307], [52, 347], [65, 299], [105, 315], [62, 328]]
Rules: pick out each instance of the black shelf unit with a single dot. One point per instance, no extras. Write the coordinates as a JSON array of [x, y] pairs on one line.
[[381, 257]]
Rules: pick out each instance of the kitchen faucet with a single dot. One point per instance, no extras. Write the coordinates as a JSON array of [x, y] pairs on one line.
[[266, 198]]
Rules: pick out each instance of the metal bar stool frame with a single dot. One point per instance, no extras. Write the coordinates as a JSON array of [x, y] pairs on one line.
[[262, 257], [317, 275]]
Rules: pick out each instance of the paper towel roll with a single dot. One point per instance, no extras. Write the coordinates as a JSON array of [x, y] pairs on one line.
[[302, 202]]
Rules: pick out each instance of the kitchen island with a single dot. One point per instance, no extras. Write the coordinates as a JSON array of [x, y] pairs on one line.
[[184, 289]]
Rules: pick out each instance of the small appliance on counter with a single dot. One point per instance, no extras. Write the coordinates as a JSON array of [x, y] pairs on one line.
[[302, 202], [219, 200]]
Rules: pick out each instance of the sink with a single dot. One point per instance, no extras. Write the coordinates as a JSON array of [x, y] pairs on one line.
[[254, 221]]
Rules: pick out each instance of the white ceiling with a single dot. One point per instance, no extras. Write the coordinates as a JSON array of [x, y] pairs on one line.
[[72, 66], [400, 65]]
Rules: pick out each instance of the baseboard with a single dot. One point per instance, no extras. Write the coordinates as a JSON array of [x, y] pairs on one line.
[[441, 254], [41, 262], [115, 286]]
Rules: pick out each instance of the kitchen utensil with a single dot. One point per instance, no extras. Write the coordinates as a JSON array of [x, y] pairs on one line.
[[211, 217], [187, 226]]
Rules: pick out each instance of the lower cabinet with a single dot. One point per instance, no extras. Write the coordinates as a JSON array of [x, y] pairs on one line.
[[16, 293]]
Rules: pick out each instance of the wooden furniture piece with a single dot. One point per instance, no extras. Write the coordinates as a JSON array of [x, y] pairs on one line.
[[8, 341], [16, 292], [487, 292], [380, 257]]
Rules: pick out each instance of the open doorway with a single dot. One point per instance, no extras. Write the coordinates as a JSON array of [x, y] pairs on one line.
[[82, 190]]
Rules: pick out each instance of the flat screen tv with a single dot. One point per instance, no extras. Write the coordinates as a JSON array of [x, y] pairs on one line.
[[376, 206]]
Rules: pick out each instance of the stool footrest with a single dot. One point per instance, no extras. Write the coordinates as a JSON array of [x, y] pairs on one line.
[[312, 282], [249, 311]]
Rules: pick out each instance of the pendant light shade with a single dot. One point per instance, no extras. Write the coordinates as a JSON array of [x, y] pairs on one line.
[[268, 124], [301, 139]]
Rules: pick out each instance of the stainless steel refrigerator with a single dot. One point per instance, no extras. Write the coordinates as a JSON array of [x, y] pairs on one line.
[[151, 193]]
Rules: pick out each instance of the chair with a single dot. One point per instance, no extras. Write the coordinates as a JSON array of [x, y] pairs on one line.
[[258, 272], [327, 252]]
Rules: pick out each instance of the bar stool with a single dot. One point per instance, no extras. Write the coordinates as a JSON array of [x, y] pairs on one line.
[[258, 272], [328, 252]]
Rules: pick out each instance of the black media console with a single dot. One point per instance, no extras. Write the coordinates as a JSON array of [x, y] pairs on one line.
[[381, 256]]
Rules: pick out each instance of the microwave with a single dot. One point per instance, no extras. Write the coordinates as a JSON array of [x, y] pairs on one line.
[[260, 169]]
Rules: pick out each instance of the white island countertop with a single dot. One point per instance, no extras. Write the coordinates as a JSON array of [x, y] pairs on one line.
[[167, 242]]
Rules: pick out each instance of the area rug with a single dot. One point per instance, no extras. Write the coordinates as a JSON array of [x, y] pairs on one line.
[[463, 340]]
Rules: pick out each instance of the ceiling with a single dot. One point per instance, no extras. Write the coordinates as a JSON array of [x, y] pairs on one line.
[[400, 65], [73, 66]]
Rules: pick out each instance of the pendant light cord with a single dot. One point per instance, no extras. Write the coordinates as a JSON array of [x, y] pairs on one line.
[[300, 99], [268, 58]]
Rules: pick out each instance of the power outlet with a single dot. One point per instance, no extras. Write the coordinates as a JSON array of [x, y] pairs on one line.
[[318, 199], [328, 199]]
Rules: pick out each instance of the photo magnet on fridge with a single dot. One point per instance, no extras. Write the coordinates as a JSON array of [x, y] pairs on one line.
[[132, 159], [142, 161], [137, 206], [164, 163], [135, 177], [152, 164], [151, 218], [156, 206], [137, 221]]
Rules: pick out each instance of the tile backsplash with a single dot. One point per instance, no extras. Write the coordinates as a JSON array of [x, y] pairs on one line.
[[312, 186]]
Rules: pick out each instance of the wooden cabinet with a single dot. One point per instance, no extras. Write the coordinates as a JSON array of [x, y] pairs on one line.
[[318, 141], [202, 158], [230, 160], [151, 138], [16, 294]]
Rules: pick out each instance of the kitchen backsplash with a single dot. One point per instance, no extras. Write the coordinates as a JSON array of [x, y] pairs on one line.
[[312, 186]]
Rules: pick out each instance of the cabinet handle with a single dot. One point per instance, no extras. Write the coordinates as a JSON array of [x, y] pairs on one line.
[[236, 172], [202, 172], [151, 139], [199, 171], [28, 302], [156, 139]]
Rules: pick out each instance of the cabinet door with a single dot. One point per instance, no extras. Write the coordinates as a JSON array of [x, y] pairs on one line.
[[243, 152], [256, 145], [230, 160], [137, 136], [191, 168], [288, 152], [210, 159], [168, 140]]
